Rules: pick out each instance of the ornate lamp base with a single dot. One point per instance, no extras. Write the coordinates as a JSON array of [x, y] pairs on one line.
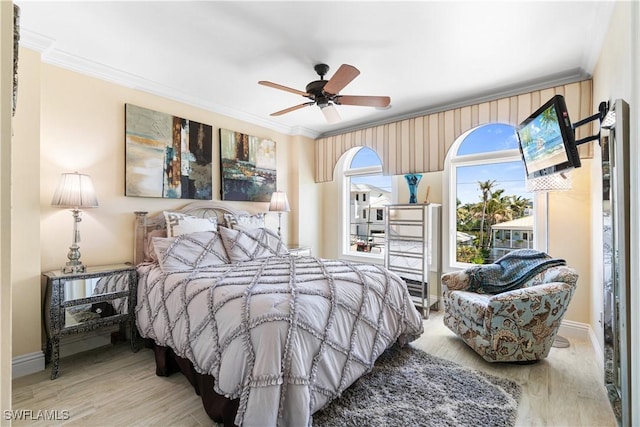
[[74, 265]]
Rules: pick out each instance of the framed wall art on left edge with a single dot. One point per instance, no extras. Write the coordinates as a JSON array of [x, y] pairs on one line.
[[16, 49], [167, 156]]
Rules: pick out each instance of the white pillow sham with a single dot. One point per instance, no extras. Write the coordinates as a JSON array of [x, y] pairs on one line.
[[244, 222], [190, 251], [179, 223], [251, 244]]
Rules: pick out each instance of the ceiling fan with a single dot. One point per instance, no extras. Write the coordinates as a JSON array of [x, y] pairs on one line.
[[325, 93]]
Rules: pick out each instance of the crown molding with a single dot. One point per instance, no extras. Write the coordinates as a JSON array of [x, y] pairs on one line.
[[59, 58], [570, 76], [35, 41]]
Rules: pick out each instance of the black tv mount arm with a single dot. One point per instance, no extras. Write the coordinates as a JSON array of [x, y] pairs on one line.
[[602, 111]]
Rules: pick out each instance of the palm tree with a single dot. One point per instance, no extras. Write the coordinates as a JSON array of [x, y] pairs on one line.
[[519, 205], [465, 217], [486, 187], [498, 210], [479, 218]]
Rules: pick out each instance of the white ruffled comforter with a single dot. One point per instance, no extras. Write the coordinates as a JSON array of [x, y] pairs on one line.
[[284, 334]]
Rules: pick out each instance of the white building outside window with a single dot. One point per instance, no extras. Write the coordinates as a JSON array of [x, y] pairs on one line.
[[366, 191]]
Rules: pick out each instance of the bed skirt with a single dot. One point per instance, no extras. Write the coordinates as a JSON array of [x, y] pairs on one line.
[[219, 408]]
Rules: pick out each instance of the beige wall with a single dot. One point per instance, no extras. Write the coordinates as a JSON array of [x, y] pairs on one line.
[[25, 245], [76, 123], [308, 214], [569, 230], [83, 129]]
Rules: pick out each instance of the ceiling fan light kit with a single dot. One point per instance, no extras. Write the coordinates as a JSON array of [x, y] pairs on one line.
[[331, 113], [325, 93]]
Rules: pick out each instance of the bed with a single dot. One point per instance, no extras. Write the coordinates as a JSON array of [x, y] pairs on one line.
[[265, 338]]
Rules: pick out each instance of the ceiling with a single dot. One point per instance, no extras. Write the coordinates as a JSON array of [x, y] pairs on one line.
[[426, 56]]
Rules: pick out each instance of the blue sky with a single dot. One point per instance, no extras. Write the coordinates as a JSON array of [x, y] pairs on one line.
[[494, 137], [508, 176], [367, 157]]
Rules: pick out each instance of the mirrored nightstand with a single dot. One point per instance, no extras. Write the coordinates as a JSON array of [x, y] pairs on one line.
[[81, 302]]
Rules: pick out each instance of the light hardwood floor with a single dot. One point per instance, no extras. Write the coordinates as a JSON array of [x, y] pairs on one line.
[[112, 386]]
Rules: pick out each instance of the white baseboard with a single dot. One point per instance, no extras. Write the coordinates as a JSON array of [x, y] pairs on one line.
[[596, 348], [582, 331], [571, 329], [27, 364], [70, 344]]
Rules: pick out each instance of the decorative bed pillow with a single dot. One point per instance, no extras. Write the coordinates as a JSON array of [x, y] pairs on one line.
[[149, 253], [179, 223], [244, 222], [247, 245], [190, 251]]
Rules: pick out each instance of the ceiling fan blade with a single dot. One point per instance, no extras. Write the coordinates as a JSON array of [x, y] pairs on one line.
[[277, 86], [367, 101], [345, 74], [290, 109]]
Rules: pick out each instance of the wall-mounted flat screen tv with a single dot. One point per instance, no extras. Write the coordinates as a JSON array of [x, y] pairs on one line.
[[547, 140]]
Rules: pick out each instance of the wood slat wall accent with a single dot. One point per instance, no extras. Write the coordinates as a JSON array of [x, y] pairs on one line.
[[420, 144]]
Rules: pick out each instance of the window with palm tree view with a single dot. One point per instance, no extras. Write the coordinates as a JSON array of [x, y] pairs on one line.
[[493, 211]]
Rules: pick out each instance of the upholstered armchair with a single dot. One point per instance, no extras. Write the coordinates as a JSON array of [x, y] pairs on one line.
[[514, 326]]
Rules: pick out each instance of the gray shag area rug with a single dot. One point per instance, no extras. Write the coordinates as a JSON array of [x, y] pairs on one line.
[[408, 387]]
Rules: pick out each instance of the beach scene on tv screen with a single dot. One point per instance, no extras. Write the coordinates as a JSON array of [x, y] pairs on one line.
[[542, 144]]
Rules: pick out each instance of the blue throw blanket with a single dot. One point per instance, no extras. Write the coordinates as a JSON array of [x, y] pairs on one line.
[[509, 272]]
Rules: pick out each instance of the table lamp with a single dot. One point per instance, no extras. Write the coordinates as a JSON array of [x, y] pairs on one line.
[[279, 203], [74, 191]]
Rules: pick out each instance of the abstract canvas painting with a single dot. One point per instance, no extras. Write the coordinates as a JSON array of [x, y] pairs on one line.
[[167, 156], [248, 167]]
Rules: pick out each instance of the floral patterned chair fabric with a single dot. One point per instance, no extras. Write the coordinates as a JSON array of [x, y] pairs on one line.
[[515, 326]]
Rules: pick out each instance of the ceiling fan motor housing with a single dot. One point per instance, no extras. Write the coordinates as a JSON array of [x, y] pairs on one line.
[[315, 89]]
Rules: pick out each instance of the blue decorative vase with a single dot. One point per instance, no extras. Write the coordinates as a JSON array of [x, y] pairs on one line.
[[412, 181]]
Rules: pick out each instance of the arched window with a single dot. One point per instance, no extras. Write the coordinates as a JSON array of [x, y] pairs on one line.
[[365, 193], [487, 210]]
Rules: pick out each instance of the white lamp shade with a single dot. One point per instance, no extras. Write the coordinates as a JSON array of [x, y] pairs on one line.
[[75, 191], [279, 202]]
